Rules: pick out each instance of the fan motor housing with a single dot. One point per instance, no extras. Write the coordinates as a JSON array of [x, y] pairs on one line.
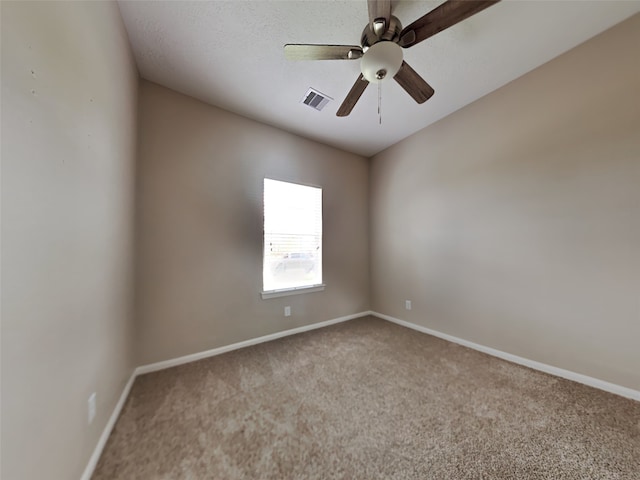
[[391, 34]]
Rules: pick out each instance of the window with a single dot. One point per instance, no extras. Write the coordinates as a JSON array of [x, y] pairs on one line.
[[292, 258]]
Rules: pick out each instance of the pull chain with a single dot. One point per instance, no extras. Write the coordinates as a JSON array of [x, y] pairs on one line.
[[380, 102]]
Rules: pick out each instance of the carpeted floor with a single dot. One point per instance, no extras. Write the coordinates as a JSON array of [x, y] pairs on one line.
[[368, 399]]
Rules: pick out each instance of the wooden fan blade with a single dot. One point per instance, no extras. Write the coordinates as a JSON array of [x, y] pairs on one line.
[[379, 10], [441, 18], [322, 52], [413, 83], [352, 97]]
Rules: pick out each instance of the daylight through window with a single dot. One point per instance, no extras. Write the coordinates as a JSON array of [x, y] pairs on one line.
[[292, 236]]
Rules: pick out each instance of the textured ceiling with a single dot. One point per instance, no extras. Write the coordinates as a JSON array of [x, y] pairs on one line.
[[229, 54]]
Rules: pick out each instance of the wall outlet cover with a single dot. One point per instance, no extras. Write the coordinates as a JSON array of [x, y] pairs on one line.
[[92, 407]]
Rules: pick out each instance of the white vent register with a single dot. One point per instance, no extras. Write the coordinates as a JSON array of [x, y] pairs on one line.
[[315, 99]]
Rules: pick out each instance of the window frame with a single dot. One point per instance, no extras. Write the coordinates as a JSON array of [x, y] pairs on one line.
[[283, 292]]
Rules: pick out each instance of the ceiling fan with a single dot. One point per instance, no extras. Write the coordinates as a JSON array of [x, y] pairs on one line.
[[382, 41]]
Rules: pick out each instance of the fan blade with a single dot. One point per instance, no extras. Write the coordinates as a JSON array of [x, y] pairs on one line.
[[352, 97], [441, 18], [379, 10], [322, 52], [413, 83]]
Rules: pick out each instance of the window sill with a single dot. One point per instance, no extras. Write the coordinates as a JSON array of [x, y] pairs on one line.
[[285, 292]]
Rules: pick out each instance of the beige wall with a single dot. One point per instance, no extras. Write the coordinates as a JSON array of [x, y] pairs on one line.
[[515, 222], [69, 89], [200, 231]]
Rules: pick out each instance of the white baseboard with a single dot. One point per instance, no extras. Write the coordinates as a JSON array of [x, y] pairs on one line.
[[153, 367], [102, 441], [543, 367]]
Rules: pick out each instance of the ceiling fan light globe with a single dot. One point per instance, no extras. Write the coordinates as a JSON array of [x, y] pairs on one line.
[[383, 56]]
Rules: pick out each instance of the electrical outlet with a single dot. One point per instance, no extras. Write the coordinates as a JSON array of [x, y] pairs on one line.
[[407, 304], [92, 407], [287, 311]]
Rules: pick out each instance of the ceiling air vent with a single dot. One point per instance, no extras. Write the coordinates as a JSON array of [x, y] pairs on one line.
[[315, 99]]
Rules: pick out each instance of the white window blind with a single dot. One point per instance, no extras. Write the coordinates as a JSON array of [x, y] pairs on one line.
[[292, 236]]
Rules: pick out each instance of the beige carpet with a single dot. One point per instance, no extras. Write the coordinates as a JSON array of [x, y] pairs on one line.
[[368, 399]]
